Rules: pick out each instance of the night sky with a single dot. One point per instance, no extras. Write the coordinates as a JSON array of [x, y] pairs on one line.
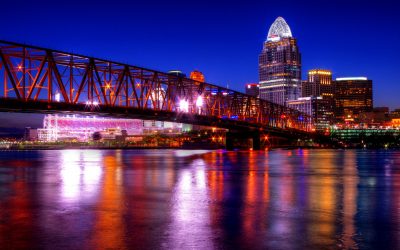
[[220, 38]]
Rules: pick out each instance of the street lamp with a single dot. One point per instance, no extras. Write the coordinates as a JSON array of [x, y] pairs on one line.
[[199, 103], [184, 106], [57, 97]]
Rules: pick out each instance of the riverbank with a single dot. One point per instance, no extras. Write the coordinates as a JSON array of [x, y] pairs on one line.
[[47, 147], [83, 147]]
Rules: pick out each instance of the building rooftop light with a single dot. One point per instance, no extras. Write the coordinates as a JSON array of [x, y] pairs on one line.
[[352, 79], [279, 29]]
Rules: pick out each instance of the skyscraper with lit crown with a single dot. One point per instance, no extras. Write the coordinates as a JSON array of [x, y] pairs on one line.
[[280, 65]]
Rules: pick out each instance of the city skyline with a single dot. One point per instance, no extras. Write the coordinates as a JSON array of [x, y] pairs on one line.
[[257, 124], [346, 44], [247, 45]]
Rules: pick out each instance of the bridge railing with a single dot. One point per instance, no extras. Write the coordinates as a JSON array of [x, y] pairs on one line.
[[36, 74]]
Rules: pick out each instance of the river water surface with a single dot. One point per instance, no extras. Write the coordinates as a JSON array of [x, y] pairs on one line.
[[177, 199]]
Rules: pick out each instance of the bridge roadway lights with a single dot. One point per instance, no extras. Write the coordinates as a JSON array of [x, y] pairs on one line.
[[242, 134], [243, 139]]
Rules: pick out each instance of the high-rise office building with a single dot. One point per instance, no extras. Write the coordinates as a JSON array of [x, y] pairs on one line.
[[280, 65], [317, 108], [319, 84], [253, 89], [353, 95]]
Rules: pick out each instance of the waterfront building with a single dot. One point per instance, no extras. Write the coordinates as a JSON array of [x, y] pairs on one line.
[[82, 128], [303, 104], [30, 134], [316, 107], [353, 95], [379, 116], [280, 65], [252, 89]]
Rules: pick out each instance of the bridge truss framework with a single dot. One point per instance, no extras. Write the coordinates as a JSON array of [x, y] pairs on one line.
[[36, 78]]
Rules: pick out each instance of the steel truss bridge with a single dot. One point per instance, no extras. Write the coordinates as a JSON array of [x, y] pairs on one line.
[[44, 80]]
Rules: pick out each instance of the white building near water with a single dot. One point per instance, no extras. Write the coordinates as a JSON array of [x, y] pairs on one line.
[[82, 128]]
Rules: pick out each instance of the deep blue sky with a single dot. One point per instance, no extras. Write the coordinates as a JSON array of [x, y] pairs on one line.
[[220, 38]]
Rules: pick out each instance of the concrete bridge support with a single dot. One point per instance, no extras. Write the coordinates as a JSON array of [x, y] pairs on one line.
[[243, 140]]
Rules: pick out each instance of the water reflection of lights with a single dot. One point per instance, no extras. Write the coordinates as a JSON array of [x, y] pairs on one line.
[[80, 172], [199, 165], [191, 218], [387, 170], [200, 179], [350, 182], [109, 229], [342, 199], [186, 153], [185, 181], [281, 194]]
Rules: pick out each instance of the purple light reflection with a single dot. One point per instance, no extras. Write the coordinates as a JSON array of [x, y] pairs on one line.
[[80, 174], [190, 226]]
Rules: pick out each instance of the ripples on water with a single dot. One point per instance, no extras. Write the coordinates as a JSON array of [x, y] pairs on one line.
[[176, 199]]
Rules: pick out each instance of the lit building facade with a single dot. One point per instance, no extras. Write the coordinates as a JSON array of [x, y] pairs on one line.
[[280, 65], [197, 76], [30, 134], [353, 95], [252, 89], [395, 113], [378, 117], [303, 104], [82, 128], [396, 122], [320, 84], [316, 107]]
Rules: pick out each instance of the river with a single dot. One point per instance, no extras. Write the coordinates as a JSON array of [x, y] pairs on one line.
[[196, 199]]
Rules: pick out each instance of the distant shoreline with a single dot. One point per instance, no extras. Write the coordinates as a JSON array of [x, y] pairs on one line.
[[38, 148]]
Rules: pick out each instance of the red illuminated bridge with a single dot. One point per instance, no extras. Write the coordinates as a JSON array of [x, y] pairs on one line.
[[45, 80]]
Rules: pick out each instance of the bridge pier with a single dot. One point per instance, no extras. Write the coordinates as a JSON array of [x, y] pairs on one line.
[[256, 141], [229, 141], [243, 140]]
